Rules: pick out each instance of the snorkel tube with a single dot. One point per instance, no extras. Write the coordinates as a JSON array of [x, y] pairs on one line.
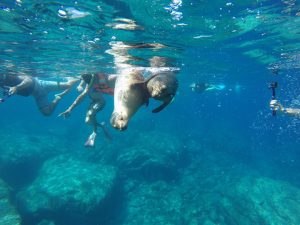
[[273, 86]]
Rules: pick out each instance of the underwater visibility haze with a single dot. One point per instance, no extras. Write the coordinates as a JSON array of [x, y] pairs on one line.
[[215, 156]]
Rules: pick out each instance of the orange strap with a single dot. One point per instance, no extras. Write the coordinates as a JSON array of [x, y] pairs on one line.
[[104, 88]]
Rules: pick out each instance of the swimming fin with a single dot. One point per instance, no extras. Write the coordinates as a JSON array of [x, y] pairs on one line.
[[91, 140]]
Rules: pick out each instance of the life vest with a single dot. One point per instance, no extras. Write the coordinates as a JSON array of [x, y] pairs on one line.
[[102, 85]]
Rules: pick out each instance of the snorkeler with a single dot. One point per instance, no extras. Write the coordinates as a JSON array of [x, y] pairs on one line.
[[276, 106], [26, 85], [201, 87], [95, 86]]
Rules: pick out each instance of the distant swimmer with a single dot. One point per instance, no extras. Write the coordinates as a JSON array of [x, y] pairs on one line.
[[201, 87], [96, 84], [26, 85], [276, 106]]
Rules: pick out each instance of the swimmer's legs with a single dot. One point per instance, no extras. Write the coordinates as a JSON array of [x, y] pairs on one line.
[[66, 87], [49, 109], [91, 140], [68, 84], [218, 87], [91, 119], [44, 87]]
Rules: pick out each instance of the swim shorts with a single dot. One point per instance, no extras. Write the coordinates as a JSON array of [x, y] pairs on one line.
[[41, 90]]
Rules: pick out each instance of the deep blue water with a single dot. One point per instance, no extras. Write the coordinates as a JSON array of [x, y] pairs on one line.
[[224, 136]]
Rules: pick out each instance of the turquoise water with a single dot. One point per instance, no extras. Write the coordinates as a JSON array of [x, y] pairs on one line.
[[216, 157]]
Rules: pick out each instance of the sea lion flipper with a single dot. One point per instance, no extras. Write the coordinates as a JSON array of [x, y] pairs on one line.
[[162, 106]]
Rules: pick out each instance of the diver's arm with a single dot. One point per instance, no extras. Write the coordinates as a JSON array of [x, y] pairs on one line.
[[26, 82], [80, 86], [276, 105], [77, 101], [291, 112]]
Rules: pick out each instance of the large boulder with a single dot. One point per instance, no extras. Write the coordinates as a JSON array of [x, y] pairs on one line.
[[70, 187], [153, 156], [216, 192], [264, 200], [8, 214], [24, 154], [251, 200], [158, 203]]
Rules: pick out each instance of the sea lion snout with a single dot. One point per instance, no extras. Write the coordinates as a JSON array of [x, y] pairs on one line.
[[119, 121], [158, 91]]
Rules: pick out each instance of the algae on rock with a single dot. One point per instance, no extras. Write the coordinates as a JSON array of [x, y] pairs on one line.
[[8, 214], [68, 185]]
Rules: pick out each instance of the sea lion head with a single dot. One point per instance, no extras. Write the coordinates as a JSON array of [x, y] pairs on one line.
[[119, 121], [162, 87]]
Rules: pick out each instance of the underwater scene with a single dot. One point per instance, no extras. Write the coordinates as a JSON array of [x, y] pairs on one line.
[[153, 112]]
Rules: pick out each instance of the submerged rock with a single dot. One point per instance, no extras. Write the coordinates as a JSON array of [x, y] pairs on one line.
[[68, 187], [154, 156], [264, 200], [23, 155], [157, 203], [8, 214], [46, 222], [214, 193]]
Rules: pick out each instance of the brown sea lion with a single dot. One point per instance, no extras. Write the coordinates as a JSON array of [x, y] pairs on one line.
[[130, 94], [162, 87]]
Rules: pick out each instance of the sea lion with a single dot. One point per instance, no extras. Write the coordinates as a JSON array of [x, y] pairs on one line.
[[162, 87], [130, 94]]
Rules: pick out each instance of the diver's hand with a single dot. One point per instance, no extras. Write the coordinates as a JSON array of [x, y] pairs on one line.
[[12, 90], [275, 105], [65, 114], [79, 88]]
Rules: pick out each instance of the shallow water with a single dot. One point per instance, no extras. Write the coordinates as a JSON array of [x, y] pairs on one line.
[[216, 157]]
